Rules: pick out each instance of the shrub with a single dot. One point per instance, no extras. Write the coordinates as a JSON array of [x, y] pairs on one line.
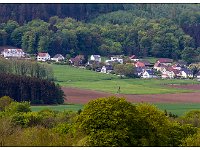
[[4, 102]]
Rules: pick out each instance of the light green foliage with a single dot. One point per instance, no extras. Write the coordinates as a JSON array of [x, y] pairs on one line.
[[124, 69], [62, 128], [5, 101], [108, 122], [192, 141], [191, 117], [16, 107], [39, 136], [25, 120], [7, 129], [157, 129], [154, 126]]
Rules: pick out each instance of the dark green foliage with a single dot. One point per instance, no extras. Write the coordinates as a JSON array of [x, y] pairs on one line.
[[141, 29], [16, 107], [35, 90]]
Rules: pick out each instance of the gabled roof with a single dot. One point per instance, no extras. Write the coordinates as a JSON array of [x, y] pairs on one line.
[[150, 72], [176, 65], [146, 62], [58, 55], [12, 50], [96, 56], [198, 74], [108, 67], [165, 60], [133, 57], [187, 71], [140, 64], [43, 54]]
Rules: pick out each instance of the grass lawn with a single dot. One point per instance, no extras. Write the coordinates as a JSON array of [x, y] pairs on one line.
[[75, 77], [151, 59], [175, 108]]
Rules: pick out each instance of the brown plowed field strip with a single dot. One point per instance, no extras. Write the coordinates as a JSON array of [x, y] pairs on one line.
[[82, 96]]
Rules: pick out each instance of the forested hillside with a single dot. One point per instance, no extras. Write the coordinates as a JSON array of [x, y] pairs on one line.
[[159, 30]]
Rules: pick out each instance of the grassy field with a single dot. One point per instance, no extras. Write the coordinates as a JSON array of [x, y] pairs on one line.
[[75, 77], [175, 108]]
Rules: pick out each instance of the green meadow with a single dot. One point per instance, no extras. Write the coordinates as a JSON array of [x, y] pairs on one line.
[[76, 77], [174, 108]]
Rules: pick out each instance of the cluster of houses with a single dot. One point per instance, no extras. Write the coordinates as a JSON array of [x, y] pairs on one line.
[[19, 54], [163, 68]]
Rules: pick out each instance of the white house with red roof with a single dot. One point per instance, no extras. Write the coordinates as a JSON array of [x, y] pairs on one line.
[[43, 57], [16, 53]]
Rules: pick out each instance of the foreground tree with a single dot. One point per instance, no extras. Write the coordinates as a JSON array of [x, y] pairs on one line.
[[108, 122]]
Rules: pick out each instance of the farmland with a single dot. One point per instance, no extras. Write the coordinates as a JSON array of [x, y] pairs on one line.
[[80, 78]]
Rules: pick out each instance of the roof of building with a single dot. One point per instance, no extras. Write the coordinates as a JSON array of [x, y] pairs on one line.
[[58, 55], [108, 67], [187, 71], [12, 50], [133, 57], [165, 60], [150, 72], [43, 54], [96, 56]]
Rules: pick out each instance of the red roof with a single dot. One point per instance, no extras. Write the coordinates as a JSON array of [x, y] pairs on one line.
[[12, 50], [165, 60], [43, 54], [133, 57], [140, 64]]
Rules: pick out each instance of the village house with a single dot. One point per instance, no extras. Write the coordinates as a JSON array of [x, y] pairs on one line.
[[43, 57], [95, 58], [77, 61], [14, 53], [186, 73], [117, 59], [143, 63], [139, 71], [176, 66], [106, 69], [159, 67], [198, 75], [149, 73], [57, 58]]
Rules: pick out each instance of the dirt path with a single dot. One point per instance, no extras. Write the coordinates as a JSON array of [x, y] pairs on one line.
[[80, 96]]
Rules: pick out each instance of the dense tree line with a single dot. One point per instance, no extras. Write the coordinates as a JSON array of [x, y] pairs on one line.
[[34, 90], [159, 30], [26, 12], [108, 121], [144, 37], [26, 68]]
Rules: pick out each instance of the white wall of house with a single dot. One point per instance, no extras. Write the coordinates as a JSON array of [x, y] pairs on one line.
[[13, 53], [95, 58], [45, 58], [58, 58], [103, 69]]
